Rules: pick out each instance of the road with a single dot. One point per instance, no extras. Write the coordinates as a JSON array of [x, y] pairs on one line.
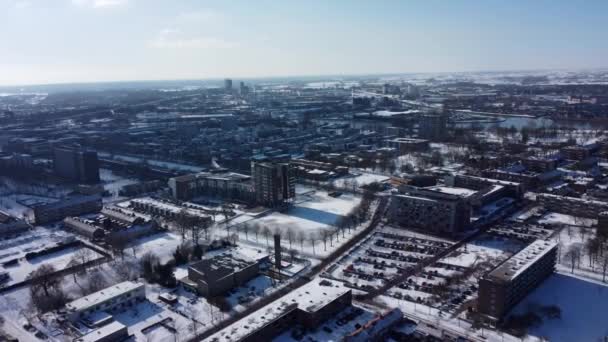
[[303, 280]]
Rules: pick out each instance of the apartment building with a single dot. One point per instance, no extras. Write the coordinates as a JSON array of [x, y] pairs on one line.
[[273, 183], [439, 210], [220, 183], [507, 284], [76, 164]]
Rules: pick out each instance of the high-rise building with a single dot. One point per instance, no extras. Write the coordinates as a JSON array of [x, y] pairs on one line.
[[228, 84], [76, 164], [432, 126], [273, 183]]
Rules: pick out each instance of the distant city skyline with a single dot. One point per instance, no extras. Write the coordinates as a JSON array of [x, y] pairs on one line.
[[82, 41]]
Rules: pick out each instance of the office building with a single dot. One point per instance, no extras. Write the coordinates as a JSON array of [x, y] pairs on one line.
[[218, 275], [76, 164], [273, 183], [59, 210], [507, 284]]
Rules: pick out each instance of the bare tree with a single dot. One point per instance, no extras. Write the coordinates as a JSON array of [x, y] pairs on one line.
[[44, 278], [266, 232], [573, 255], [325, 234], [313, 238], [301, 237], [183, 220], [118, 243], [290, 235]]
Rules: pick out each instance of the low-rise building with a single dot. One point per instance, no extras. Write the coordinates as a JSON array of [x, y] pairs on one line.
[[10, 226], [69, 207], [507, 284], [572, 205], [307, 306], [111, 332], [216, 276], [219, 183], [113, 298], [406, 145]]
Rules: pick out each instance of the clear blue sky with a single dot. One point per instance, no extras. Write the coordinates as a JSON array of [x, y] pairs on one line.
[[50, 41]]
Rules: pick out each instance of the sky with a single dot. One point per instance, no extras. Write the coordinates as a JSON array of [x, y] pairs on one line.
[[63, 41]]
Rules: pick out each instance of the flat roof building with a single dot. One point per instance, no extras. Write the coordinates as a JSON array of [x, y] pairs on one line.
[[216, 276], [308, 306], [68, 207], [507, 284], [115, 297]]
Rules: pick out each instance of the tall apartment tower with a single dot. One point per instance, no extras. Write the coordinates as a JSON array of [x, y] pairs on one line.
[[76, 164], [273, 183], [432, 126], [228, 84]]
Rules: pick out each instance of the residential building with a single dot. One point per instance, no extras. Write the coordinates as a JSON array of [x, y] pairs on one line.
[[273, 183], [114, 298], [219, 183], [228, 84], [406, 145], [439, 210], [308, 306], [507, 284], [432, 126], [76, 164], [572, 205]]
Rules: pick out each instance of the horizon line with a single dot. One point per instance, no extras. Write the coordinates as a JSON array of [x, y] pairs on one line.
[[68, 83]]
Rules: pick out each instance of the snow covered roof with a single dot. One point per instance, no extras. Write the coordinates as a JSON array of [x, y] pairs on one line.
[[518, 263], [462, 192], [310, 298], [98, 297], [102, 333]]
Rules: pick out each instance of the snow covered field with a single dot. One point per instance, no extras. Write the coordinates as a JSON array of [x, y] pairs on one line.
[[583, 304], [358, 178], [36, 240]]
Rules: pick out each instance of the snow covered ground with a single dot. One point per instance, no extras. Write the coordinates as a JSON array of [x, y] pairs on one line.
[[583, 304], [359, 178], [561, 219], [112, 183], [36, 240]]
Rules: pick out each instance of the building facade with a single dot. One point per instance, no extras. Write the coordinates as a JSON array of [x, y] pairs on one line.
[[76, 164], [507, 284], [70, 207], [430, 210], [273, 183], [113, 298]]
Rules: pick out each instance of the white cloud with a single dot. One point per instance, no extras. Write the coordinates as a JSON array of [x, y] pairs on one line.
[[172, 38], [100, 3]]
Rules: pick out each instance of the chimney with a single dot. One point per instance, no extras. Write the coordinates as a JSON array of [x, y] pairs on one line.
[[277, 251]]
